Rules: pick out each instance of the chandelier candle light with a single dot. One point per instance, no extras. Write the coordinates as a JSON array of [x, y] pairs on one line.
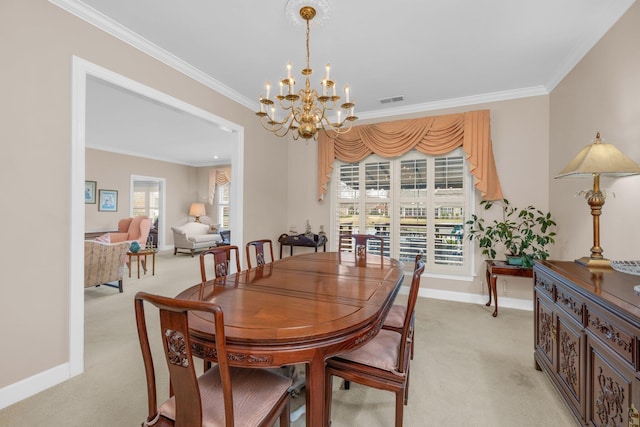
[[305, 110]]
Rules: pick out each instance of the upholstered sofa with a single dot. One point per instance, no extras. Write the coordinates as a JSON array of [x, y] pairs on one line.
[[104, 263], [193, 236]]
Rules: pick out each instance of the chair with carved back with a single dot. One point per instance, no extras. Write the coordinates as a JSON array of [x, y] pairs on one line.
[[360, 245], [221, 260], [382, 362], [259, 251], [397, 313], [223, 395]]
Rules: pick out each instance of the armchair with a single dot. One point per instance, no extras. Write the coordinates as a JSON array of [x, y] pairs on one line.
[[104, 263], [129, 229]]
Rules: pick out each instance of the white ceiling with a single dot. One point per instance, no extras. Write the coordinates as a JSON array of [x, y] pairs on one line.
[[434, 53], [125, 122]]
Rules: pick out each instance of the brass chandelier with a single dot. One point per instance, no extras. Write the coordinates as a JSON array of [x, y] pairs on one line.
[[304, 111]]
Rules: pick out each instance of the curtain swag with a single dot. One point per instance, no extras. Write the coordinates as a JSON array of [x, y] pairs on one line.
[[219, 176], [429, 135]]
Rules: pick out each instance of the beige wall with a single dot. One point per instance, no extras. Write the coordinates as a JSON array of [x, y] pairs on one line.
[[519, 130], [38, 42], [112, 171], [533, 139], [601, 94]]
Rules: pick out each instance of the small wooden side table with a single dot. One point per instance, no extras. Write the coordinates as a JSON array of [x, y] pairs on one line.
[[495, 268], [302, 240], [145, 253]]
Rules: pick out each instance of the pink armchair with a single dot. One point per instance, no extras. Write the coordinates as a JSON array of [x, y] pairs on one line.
[[129, 229]]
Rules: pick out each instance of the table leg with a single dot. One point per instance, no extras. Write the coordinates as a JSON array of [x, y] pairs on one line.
[[494, 279], [281, 251], [153, 264], [144, 264], [315, 392], [488, 274], [291, 250], [129, 264], [138, 257]]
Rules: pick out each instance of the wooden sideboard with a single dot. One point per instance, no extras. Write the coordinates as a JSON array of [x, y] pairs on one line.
[[587, 339]]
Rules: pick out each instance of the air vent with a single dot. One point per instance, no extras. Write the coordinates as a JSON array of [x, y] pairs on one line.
[[392, 99]]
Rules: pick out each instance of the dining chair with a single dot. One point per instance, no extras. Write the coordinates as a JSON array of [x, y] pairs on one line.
[[360, 244], [382, 363], [397, 313], [223, 395], [221, 258], [259, 246]]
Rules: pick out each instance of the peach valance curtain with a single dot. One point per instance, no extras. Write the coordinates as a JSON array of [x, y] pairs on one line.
[[219, 176], [429, 135]]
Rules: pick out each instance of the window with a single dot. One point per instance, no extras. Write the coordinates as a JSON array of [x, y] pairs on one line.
[[223, 205], [146, 199], [416, 202]]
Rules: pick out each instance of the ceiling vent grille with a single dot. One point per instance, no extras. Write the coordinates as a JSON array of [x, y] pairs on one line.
[[391, 99]]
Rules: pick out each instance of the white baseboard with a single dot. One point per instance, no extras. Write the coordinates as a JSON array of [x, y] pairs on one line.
[[33, 385], [519, 304]]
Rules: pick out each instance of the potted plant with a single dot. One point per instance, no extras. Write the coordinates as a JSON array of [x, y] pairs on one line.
[[523, 233]]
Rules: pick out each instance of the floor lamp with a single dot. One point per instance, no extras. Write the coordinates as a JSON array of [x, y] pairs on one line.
[[595, 160]]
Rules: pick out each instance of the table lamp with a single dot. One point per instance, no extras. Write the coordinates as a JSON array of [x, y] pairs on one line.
[[197, 210], [598, 159]]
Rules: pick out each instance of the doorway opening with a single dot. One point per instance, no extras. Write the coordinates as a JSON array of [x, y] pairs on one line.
[[81, 71]]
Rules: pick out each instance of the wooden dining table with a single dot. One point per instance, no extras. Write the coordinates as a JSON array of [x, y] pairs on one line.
[[300, 309]]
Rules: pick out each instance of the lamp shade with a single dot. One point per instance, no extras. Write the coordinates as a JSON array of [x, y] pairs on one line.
[[602, 159], [197, 210]]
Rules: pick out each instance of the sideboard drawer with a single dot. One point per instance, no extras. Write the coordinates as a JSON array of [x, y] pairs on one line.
[[571, 302], [614, 333], [544, 284]]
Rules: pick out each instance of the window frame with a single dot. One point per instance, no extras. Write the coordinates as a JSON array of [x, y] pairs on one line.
[[396, 199], [224, 204]]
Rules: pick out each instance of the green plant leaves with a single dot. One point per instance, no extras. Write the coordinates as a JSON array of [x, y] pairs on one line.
[[523, 231]]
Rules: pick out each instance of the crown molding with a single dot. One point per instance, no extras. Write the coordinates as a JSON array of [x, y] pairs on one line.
[[108, 25], [456, 102], [604, 25]]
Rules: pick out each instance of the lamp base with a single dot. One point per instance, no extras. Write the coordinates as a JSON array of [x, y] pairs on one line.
[[594, 262]]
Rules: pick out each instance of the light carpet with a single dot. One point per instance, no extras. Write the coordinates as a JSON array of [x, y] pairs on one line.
[[469, 368]]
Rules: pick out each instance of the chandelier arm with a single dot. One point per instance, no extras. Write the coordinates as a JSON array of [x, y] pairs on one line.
[[306, 108]]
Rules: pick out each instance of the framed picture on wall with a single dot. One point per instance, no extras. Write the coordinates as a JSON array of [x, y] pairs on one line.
[[108, 200], [90, 192]]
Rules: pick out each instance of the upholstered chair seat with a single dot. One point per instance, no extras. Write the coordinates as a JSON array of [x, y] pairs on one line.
[[381, 353], [250, 409]]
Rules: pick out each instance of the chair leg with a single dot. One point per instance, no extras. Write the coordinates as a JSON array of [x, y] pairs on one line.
[[285, 414], [406, 388], [328, 395], [413, 340], [120, 285], [175, 251], [399, 407], [347, 385]]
